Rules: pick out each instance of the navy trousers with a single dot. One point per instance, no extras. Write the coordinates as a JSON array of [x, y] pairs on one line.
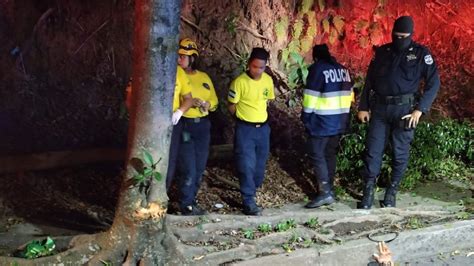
[[193, 154], [323, 156], [251, 150], [385, 125], [173, 155]]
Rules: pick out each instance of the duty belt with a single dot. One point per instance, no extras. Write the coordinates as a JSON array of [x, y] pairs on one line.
[[258, 124], [396, 100]]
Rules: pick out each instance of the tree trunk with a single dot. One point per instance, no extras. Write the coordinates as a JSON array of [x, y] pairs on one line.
[[137, 231]]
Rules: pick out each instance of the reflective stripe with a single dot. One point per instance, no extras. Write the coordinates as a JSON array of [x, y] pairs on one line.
[[327, 94], [335, 104], [326, 112]]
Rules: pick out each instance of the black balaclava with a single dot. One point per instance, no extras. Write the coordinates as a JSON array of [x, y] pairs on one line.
[[321, 52], [403, 24]]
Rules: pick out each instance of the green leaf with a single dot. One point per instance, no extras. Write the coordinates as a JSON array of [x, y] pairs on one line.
[[49, 245], [157, 176], [139, 178], [296, 57], [304, 72], [148, 158], [148, 172]]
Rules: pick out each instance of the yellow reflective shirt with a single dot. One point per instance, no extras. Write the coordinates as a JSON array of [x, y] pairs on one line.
[[182, 87], [251, 96], [203, 89]]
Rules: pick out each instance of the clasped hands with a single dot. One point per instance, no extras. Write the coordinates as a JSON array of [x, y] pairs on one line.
[[202, 105]]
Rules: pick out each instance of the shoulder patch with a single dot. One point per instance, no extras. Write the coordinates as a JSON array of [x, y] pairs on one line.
[[428, 59]]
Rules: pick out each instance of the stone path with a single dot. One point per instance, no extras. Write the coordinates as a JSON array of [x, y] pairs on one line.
[[426, 231], [334, 235]]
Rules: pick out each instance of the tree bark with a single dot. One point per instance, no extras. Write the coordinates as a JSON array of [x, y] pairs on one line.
[[137, 231]]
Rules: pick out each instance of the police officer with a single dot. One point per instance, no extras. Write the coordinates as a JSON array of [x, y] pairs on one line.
[[196, 135], [393, 104], [326, 107], [248, 97]]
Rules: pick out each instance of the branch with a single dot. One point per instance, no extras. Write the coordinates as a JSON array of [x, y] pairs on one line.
[[251, 31], [224, 180], [189, 22], [90, 36]]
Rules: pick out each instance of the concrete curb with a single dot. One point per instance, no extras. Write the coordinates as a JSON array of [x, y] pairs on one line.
[[408, 246]]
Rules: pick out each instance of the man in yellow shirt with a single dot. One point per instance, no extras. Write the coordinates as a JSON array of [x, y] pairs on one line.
[[196, 136], [248, 97]]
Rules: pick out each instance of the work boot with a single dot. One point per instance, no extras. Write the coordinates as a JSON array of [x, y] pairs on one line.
[[390, 198], [252, 209], [320, 200], [368, 198], [192, 210], [325, 196]]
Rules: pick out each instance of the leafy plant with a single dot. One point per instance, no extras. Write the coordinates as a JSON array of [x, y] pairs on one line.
[[307, 243], [106, 263], [201, 221], [463, 215], [231, 23], [281, 27], [443, 149], [36, 249], [243, 61], [312, 223], [249, 233], [414, 223], [285, 225], [265, 228], [298, 70], [148, 170], [287, 247]]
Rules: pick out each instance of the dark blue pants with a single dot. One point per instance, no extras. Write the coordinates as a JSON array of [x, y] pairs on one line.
[[385, 126], [323, 156], [173, 155], [251, 150], [193, 154]]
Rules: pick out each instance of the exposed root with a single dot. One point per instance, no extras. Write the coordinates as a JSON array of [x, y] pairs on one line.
[[155, 211]]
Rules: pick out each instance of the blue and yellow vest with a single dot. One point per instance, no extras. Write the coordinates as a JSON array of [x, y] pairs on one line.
[[327, 99]]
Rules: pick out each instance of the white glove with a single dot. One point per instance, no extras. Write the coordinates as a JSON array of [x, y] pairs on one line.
[[176, 116]]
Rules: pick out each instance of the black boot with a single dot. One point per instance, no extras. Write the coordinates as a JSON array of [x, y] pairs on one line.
[[368, 198], [325, 196], [390, 197]]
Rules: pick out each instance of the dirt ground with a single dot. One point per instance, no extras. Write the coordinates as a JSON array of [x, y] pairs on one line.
[[84, 197]]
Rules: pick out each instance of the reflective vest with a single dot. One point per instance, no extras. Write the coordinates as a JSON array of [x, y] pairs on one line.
[[327, 99]]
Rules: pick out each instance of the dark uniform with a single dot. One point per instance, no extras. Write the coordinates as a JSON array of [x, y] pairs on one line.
[[326, 107], [391, 92]]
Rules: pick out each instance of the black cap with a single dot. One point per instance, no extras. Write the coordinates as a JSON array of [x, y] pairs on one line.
[[259, 53], [403, 24], [321, 51]]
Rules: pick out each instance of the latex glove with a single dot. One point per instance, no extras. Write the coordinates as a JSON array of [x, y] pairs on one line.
[[176, 116], [385, 257], [364, 116], [414, 118]]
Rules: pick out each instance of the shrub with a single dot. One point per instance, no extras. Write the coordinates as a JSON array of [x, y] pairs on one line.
[[442, 149]]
